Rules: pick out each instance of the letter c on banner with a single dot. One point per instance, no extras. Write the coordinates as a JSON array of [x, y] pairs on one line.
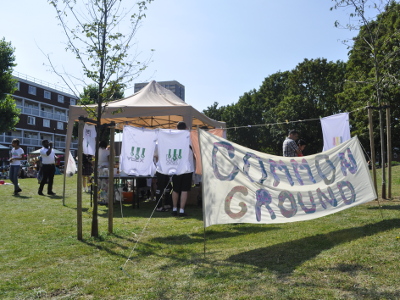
[[330, 164], [228, 199], [231, 154]]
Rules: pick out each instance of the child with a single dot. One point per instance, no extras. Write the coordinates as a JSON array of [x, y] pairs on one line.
[[302, 144]]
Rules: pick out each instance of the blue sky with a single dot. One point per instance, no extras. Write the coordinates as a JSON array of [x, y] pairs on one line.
[[218, 49]]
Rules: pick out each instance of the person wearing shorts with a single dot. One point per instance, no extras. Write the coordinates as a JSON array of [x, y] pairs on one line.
[[181, 184]]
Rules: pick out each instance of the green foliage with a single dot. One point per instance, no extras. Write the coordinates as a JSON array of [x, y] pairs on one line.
[[214, 112], [92, 28], [310, 94], [90, 96], [373, 69], [8, 109], [307, 92]]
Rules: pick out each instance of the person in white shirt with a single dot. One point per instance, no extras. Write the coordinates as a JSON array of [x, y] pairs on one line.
[[181, 184], [48, 167], [17, 154]]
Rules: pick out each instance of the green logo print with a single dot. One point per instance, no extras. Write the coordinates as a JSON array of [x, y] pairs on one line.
[[177, 154], [138, 155]]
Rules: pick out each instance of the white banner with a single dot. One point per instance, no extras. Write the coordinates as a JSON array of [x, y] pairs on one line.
[[241, 185], [335, 129]]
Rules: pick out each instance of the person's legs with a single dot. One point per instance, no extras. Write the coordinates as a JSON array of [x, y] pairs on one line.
[[84, 182], [14, 177], [45, 176], [161, 192], [175, 198], [185, 185], [52, 171], [184, 195], [176, 190]]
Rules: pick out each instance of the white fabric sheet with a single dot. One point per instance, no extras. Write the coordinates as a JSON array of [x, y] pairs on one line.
[[335, 130]]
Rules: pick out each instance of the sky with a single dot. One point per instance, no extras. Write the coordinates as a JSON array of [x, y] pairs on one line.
[[218, 49]]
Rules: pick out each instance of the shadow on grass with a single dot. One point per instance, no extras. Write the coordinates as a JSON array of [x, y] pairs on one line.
[[284, 258], [390, 207], [21, 196], [234, 231]]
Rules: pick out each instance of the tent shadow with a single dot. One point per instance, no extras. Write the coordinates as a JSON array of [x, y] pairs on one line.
[[284, 258]]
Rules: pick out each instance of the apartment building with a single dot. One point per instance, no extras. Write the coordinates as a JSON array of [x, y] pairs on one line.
[[172, 85], [44, 114]]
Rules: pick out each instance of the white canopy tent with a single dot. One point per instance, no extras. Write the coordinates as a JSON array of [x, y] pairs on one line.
[[152, 107]]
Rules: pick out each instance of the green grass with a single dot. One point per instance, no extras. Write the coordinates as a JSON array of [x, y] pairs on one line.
[[353, 254]]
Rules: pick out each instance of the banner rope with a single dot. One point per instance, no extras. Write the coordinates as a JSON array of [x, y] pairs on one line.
[[286, 122], [144, 228]]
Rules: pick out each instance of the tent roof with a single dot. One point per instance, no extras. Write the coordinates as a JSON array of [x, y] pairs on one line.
[[153, 107]]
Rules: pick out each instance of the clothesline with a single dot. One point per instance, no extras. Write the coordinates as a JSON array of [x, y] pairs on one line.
[[286, 122]]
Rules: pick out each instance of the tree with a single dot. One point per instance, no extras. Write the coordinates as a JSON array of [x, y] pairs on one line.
[[89, 96], [309, 94], [8, 109], [373, 68], [103, 51], [214, 112]]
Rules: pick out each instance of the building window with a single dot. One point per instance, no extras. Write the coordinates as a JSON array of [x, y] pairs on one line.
[[17, 85], [60, 125], [61, 98], [47, 95], [31, 120], [72, 101], [32, 90], [46, 123], [30, 149]]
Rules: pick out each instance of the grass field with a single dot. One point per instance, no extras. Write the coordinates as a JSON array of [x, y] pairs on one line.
[[353, 254]]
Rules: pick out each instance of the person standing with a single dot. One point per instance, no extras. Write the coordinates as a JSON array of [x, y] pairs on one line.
[[302, 145], [48, 167], [181, 184], [290, 148], [17, 154]]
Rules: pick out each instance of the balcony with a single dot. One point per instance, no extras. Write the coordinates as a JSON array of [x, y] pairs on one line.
[[43, 114]]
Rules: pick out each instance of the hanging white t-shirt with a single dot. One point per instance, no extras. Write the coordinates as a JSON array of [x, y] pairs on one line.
[[174, 154], [137, 151], [335, 130], [89, 139], [16, 153]]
